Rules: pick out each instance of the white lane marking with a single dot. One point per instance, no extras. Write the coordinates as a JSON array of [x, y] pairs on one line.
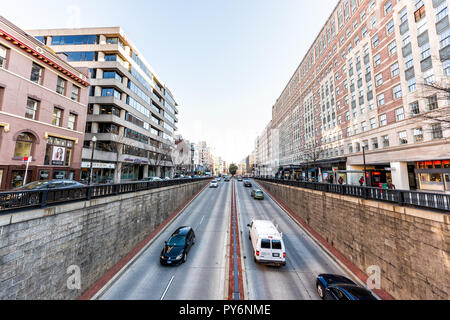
[[167, 289]]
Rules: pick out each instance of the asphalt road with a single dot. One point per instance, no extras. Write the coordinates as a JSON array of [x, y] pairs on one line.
[[202, 276], [305, 259]]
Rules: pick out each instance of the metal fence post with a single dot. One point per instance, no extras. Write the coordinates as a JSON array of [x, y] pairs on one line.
[[44, 198]]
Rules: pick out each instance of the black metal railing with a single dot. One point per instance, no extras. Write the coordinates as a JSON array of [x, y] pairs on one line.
[[434, 201], [18, 200]]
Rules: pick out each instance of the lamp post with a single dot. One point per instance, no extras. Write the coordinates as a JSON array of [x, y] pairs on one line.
[[94, 140], [365, 166]]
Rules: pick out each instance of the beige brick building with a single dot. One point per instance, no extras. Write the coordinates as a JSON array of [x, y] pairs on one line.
[[365, 83]]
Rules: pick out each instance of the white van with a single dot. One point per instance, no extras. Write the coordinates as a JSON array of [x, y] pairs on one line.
[[267, 243]]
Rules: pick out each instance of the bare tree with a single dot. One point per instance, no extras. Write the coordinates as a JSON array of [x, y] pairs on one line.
[[163, 155], [312, 153], [434, 90]]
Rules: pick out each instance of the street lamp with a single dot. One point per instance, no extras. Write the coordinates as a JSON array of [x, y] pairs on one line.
[[94, 140], [365, 166]]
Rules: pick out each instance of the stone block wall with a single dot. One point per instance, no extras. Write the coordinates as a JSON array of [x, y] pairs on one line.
[[38, 246], [411, 246]]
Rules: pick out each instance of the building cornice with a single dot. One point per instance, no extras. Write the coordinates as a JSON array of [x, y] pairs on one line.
[[38, 53]]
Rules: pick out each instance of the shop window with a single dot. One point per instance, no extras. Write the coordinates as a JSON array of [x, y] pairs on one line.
[[58, 152], [24, 144], [44, 175]]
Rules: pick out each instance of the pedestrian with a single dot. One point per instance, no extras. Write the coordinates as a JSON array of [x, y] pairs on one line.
[[391, 186], [341, 181], [361, 181], [331, 179]]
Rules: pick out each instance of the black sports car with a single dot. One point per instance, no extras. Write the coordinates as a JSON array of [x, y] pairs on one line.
[[176, 250], [335, 287], [247, 184]]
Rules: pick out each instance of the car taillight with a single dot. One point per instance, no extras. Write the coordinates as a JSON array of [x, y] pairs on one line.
[[284, 255], [257, 253]]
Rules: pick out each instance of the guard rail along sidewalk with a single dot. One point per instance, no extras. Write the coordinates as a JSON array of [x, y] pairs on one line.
[[432, 201], [25, 200]]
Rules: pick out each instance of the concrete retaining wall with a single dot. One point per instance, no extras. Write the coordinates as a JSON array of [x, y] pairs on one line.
[[411, 246], [38, 246]]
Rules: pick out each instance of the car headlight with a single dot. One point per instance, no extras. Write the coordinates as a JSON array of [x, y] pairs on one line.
[[179, 257]]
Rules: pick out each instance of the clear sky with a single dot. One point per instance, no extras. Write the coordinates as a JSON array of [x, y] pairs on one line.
[[226, 61]]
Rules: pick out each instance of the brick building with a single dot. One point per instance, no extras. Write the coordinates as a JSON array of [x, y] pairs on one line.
[[363, 90], [43, 104]]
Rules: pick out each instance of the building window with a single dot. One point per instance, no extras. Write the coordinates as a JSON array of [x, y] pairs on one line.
[[61, 86], [57, 117], [75, 93], [72, 124], [395, 70], [375, 42], [392, 47], [425, 51], [387, 7], [432, 103], [375, 143], [36, 73], [377, 60], [418, 135], [111, 92], [446, 66], [412, 85], [385, 140], [373, 123], [444, 38], [400, 114], [403, 137], [383, 120], [390, 27], [110, 57], [3, 52], [397, 92], [24, 144], [379, 79], [428, 76], [380, 99], [415, 108], [436, 131], [31, 109]]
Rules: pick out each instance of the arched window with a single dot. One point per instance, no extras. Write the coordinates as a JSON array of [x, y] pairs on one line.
[[24, 144]]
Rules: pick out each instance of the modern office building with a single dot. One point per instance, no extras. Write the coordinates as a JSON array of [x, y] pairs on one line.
[[43, 108], [365, 94], [132, 114]]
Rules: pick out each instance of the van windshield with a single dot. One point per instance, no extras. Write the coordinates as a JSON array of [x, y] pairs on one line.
[[276, 244]]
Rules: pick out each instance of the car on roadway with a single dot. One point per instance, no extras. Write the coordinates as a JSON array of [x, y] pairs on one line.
[[257, 194], [267, 242], [152, 179], [50, 184], [214, 184], [240, 179], [227, 179], [248, 184], [336, 287], [176, 249]]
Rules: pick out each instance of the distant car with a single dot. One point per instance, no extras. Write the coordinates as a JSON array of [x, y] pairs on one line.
[[227, 179], [50, 184], [247, 184], [239, 178], [257, 194], [176, 249], [336, 287], [214, 184], [152, 179]]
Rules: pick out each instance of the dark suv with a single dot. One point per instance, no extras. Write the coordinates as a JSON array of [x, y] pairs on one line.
[[176, 249]]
